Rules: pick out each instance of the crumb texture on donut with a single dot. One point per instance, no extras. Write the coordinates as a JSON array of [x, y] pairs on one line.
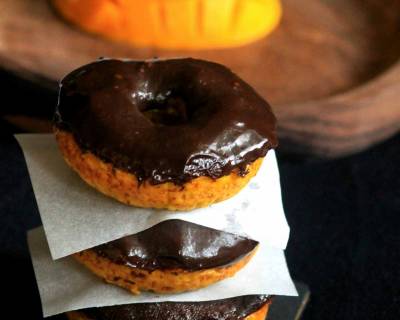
[[188, 24], [136, 280], [125, 187]]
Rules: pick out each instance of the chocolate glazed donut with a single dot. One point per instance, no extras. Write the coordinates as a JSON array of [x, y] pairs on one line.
[[238, 308], [172, 256], [176, 134]]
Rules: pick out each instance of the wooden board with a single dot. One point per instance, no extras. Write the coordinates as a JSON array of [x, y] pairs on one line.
[[330, 71], [290, 308]]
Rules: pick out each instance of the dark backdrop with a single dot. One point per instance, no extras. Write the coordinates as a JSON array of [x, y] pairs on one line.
[[344, 216]]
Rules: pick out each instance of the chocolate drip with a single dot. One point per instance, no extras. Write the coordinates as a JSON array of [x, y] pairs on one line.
[[176, 244], [166, 120], [236, 308]]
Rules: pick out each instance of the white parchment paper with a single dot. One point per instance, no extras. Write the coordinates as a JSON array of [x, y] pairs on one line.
[[65, 285], [77, 217]]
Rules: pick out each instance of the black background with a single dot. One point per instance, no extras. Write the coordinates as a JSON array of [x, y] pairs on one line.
[[344, 216]]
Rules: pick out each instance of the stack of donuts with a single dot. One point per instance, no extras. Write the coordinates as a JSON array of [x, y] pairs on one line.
[[179, 135]]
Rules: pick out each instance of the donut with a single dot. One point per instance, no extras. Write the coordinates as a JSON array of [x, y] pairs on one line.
[[187, 24], [174, 134], [170, 257], [254, 307]]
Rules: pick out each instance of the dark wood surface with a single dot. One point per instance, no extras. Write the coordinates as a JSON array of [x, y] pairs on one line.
[[331, 70], [290, 308]]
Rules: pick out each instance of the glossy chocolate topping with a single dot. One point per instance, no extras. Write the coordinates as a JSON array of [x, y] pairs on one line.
[[236, 308], [177, 244], [166, 120]]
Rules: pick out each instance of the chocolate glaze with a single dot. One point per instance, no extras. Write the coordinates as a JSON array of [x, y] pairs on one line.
[[177, 244], [166, 120], [236, 308]]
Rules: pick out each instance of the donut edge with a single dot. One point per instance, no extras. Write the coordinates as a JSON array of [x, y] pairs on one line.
[[125, 187], [260, 314], [159, 281]]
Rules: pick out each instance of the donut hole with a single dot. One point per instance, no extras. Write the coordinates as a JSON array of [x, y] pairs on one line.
[[172, 109]]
